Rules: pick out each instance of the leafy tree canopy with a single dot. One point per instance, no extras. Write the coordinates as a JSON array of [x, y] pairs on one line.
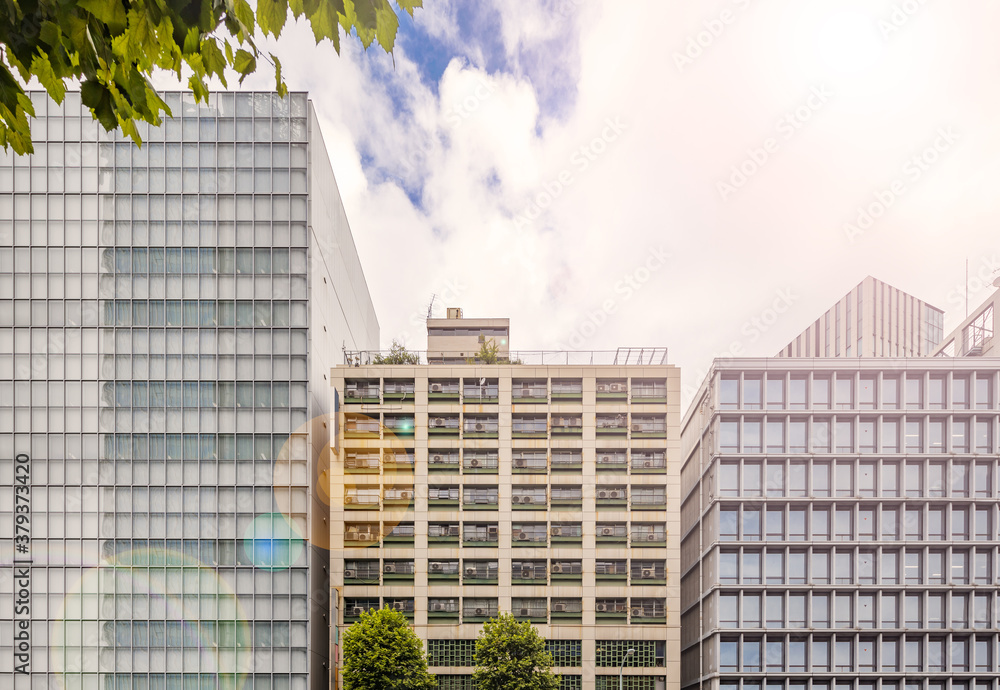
[[510, 655], [113, 46], [398, 354], [381, 652]]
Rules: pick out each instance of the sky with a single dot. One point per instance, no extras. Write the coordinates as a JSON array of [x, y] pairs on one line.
[[612, 174]]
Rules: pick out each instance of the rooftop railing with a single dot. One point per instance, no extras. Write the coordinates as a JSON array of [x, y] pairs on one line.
[[623, 356]]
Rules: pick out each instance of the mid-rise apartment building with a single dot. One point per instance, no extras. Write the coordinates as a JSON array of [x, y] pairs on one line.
[[168, 317], [874, 319], [839, 526], [463, 490]]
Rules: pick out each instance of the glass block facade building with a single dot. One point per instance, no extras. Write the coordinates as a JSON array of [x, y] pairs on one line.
[[840, 526], [462, 490], [162, 355]]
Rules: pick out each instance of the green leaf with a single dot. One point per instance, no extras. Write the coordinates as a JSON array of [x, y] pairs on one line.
[[271, 16], [42, 69], [245, 63], [325, 23], [111, 12], [282, 87]]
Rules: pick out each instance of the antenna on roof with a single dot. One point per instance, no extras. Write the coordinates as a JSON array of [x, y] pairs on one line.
[[430, 307]]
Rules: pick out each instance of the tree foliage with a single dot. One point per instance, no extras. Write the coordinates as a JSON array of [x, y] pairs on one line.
[[489, 353], [511, 656], [113, 46], [398, 354], [381, 652]]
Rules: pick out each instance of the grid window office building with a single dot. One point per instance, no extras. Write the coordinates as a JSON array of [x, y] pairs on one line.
[[840, 526], [162, 352], [464, 490]]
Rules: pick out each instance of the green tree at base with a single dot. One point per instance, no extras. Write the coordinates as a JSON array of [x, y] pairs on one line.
[[511, 656], [381, 652]]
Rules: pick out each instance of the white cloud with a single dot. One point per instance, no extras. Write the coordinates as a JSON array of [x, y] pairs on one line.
[[478, 160]]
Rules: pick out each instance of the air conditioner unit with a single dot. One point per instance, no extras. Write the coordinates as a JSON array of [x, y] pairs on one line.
[[647, 463], [651, 537], [474, 462], [350, 574], [406, 494], [556, 608], [520, 462], [606, 458], [435, 388], [524, 612], [602, 388], [453, 530], [602, 494], [527, 574], [357, 611], [480, 426], [614, 494], [389, 568], [399, 605], [437, 458], [350, 499], [607, 531], [480, 612], [617, 388], [470, 570], [636, 612], [353, 393], [492, 530], [602, 607], [556, 569], [525, 499], [366, 536], [556, 531], [647, 573], [436, 606], [435, 567], [636, 427], [436, 422], [515, 499], [521, 536], [351, 535]]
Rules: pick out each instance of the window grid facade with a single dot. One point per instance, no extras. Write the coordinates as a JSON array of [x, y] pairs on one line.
[[816, 552], [547, 504]]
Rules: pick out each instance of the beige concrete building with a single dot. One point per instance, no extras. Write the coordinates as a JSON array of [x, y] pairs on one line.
[[460, 491], [872, 320], [456, 339]]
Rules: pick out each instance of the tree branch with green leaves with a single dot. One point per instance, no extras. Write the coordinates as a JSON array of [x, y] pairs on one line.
[[112, 47]]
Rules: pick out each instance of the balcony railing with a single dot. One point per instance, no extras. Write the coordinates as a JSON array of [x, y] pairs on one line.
[[623, 356]]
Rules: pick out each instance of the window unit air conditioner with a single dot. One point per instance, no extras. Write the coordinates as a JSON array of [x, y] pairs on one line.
[[651, 537], [556, 531], [647, 463], [480, 426], [606, 459], [470, 570], [350, 574], [556, 569], [480, 612], [602, 494], [399, 605], [520, 462], [527, 574], [389, 568], [558, 608], [435, 567], [636, 428], [521, 536], [357, 611], [601, 607], [436, 606], [435, 388], [474, 462], [607, 531], [648, 573], [406, 494], [636, 612], [437, 458]]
